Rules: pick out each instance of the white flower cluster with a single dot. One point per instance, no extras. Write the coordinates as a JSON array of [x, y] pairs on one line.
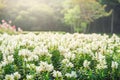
[[29, 77], [57, 74], [44, 66], [28, 55], [86, 64], [41, 51], [57, 55], [67, 63], [7, 60], [14, 76], [72, 74], [114, 65]]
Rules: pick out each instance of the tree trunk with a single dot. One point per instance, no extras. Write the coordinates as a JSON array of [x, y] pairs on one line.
[[112, 21]]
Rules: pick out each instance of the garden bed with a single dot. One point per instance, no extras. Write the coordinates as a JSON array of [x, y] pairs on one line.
[[49, 56]]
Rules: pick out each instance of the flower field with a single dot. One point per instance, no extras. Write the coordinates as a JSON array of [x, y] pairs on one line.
[[55, 56]]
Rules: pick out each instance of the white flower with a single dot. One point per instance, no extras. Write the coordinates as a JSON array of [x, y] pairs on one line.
[[69, 65], [29, 77], [41, 51], [114, 65], [9, 77], [44, 66], [99, 56], [10, 59], [63, 50], [86, 63], [102, 64], [31, 66], [72, 74], [38, 69], [50, 67], [24, 52], [33, 57], [65, 61], [69, 56], [17, 75], [57, 74], [68, 75], [4, 63]]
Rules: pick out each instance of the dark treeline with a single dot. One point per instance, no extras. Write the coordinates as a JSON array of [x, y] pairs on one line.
[[46, 15], [109, 24]]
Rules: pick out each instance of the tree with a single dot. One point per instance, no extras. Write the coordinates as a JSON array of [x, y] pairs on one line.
[[2, 8], [2, 4], [79, 13], [111, 5], [30, 15], [109, 2], [72, 17], [34, 14]]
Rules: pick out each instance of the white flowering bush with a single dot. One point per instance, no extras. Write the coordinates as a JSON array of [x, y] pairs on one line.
[[55, 56]]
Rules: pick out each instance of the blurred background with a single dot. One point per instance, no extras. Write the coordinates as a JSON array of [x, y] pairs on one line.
[[88, 16]]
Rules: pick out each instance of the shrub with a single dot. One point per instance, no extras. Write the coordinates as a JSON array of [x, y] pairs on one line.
[[7, 28]]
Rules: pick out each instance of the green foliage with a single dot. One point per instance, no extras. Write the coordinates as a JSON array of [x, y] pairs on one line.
[[1, 56], [80, 12], [72, 17], [56, 58], [2, 4], [8, 69]]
